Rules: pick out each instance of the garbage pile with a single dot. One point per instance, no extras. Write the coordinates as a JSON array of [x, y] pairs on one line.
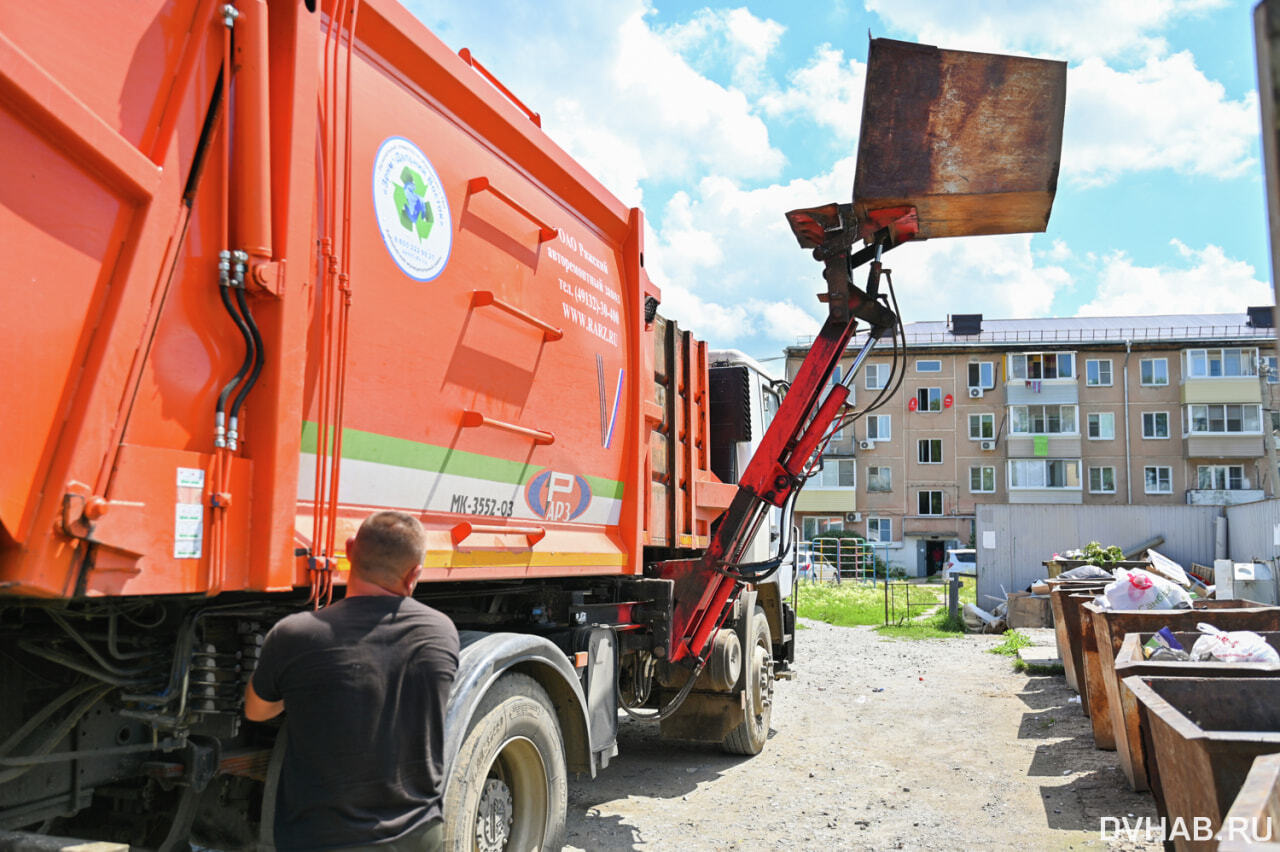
[[1184, 688]]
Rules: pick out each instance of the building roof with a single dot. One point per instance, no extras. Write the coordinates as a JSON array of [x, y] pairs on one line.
[[1173, 328]]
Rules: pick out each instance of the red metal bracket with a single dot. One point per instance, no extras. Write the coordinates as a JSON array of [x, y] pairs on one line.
[[466, 56]]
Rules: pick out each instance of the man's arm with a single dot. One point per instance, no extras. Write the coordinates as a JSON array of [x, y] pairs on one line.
[[257, 709]]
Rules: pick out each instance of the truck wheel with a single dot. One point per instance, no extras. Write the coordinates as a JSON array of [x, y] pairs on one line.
[[508, 788], [750, 735]]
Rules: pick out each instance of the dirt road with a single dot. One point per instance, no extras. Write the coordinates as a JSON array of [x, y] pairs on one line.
[[957, 752]]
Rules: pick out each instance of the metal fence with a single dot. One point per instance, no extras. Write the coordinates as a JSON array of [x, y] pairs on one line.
[[1014, 540], [1251, 531], [1085, 335]]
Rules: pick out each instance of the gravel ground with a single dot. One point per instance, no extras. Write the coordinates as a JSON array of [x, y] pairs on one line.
[[957, 752]]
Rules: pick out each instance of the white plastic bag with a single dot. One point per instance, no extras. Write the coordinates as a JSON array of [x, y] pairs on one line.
[[1238, 646], [1138, 589]]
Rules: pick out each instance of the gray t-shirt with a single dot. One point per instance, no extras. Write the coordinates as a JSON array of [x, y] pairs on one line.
[[365, 683]]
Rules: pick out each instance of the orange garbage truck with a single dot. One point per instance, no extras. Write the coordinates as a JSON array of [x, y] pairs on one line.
[[270, 266]]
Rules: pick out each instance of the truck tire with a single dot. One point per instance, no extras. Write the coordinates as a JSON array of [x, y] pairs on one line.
[[508, 787], [750, 735]]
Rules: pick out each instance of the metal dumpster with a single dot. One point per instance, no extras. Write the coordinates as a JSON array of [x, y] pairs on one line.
[[1058, 590], [1111, 625], [1202, 737], [1130, 663], [1066, 605], [1253, 823], [971, 140]]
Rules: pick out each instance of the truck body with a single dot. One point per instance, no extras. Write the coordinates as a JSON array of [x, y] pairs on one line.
[[270, 267]]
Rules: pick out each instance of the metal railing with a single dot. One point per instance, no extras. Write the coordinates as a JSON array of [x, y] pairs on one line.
[[833, 560], [1080, 335]]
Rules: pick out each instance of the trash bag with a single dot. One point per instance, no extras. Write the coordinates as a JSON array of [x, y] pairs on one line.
[[1086, 572], [1138, 589], [1238, 646]]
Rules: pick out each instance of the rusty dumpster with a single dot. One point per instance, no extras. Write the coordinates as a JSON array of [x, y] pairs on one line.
[[1202, 737], [1129, 662], [1066, 624], [972, 141], [1253, 823], [1109, 627]]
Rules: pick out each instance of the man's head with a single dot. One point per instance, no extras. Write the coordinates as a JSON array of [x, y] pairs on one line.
[[387, 549]]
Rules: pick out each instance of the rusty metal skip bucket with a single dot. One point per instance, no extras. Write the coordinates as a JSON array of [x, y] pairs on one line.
[[971, 140]]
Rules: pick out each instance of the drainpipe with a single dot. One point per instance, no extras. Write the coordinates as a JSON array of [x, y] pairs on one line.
[[1128, 464]]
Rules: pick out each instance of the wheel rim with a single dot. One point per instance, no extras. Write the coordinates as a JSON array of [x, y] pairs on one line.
[[762, 684], [512, 812]]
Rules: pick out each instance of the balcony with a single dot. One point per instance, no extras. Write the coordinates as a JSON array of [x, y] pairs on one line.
[[1244, 389], [1222, 446], [816, 499], [1046, 495], [1223, 497], [1042, 392], [1060, 446]]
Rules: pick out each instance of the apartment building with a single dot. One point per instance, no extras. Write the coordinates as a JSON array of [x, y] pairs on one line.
[[1101, 410]]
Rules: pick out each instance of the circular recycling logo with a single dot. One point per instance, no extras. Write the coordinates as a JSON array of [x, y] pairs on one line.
[[411, 208]]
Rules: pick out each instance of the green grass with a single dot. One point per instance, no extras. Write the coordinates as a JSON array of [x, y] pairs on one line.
[[1013, 640], [851, 605], [846, 605]]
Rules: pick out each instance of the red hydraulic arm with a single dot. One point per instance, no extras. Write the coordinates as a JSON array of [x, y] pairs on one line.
[[706, 587]]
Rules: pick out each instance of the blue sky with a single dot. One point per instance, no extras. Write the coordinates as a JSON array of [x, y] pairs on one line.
[[717, 119]]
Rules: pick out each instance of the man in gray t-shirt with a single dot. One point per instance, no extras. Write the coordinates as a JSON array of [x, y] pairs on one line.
[[365, 682]]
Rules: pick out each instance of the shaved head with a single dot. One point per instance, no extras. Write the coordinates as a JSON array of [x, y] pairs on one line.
[[387, 545]]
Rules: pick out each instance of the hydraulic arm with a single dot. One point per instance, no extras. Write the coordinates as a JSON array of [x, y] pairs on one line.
[[706, 587]]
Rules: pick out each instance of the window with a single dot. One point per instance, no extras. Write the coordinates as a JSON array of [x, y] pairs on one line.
[[982, 427], [1154, 371], [930, 366], [1155, 424], [1102, 480], [929, 503], [877, 376], [1042, 365], [1044, 473], [929, 450], [1269, 369], [1159, 479], [1102, 426], [929, 399], [982, 374], [1042, 419], [982, 480], [879, 479], [879, 427], [1223, 477], [1097, 372], [1216, 363], [815, 525], [1225, 419], [879, 529], [836, 473]]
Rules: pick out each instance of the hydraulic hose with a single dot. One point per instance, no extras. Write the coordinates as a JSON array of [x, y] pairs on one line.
[[225, 283], [259, 359]]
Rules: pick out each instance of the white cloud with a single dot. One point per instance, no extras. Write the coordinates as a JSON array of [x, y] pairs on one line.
[[1164, 115], [828, 89], [615, 94], [1070, 29], [1206, 281], [732, 35]]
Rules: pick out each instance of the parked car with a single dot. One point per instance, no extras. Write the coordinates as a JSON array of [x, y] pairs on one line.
[[962, 560]]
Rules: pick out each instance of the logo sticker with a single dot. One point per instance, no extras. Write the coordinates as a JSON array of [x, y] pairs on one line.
[[411, 208], [558, 496]]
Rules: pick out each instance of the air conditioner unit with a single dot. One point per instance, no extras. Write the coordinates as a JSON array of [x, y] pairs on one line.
[[866, 445], [988, 445], [975, 393], [852, 517]]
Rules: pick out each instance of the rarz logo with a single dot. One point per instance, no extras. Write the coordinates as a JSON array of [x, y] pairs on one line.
[[558, 496], [411, 208]]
